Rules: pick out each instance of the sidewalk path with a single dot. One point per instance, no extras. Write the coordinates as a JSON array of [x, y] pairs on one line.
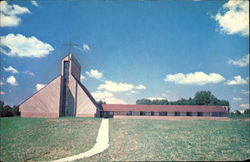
[[102, 143]]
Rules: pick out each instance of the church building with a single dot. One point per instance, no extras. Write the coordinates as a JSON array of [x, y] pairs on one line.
[[66, 96], [63, 96]]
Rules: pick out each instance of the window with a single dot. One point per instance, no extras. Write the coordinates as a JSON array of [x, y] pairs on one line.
[[177, 113], [216, 114], [163, 113], [152, 113], [222, 114], [200, 113], [142, 113], [189, 113], [129, 113], [107, 114]]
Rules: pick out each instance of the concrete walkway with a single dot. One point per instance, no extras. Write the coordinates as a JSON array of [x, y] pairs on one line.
[[102, 143]]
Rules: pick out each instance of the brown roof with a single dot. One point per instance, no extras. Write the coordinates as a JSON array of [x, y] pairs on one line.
[[163, 108]]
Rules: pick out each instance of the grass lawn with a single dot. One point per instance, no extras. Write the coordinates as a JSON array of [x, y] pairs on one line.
[[142, 140], [24, 139]]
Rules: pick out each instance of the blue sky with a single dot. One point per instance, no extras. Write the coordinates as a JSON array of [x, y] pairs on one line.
[[128, 49]]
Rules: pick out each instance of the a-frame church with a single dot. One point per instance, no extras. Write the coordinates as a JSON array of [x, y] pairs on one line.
[[63, 96]]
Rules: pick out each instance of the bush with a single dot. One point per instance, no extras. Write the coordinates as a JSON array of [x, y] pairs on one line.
[[238, 116], [8, 111], [247, 111]]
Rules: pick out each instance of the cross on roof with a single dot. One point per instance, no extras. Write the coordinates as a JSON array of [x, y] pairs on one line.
[[70, 45]]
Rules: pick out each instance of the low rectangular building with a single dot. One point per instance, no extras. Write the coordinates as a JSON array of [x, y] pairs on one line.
[[110, 110]]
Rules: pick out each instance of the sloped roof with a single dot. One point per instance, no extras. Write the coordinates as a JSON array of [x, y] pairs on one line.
[[163, 108], [87, 93]]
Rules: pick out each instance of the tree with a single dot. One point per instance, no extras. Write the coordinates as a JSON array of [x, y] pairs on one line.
[[191, 101], [8, 111], [237, 112], [182, 101], [163, 102], [201, 98], [247, 111], [1, 104], [101, 102], [204, 98], [143, 102], [15, 110]]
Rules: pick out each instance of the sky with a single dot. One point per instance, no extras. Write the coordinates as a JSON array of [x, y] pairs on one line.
[[128, 50]]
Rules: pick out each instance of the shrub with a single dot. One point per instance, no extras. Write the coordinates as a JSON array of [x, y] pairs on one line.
[[8, 111]]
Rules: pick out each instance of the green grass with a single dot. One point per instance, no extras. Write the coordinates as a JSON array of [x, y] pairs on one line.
[[165, 140], [24, 139]]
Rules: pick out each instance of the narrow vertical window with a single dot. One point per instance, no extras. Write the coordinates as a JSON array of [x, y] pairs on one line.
[[200, 113], [177, 113]]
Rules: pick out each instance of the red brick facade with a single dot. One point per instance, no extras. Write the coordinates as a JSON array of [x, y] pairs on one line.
[[163, 110]]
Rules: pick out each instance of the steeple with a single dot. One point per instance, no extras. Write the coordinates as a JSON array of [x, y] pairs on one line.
[[74, 66]]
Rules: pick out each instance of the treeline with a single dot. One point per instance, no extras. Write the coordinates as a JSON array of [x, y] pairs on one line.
[[8, 111], [239, 115], [200, 98]]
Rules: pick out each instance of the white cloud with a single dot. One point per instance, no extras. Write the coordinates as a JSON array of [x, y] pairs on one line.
[[28, 73], [108, 97], [156, 98], [115, 87], [244, 92], [39, 86], [246, 106], [234, 18], [34, 3], [21, 46], [238, 80], [140, 87], [13, 70], [82, 78], [13, 9], [101, 95], [12, 81], [2, 93], [86, 47], [237, 99], [119, 87], [94, 74], [8, 14], [198, 78], [244, 61], [113, 100], [133, 92], [1, 83], [10, 69], [6, 21]]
